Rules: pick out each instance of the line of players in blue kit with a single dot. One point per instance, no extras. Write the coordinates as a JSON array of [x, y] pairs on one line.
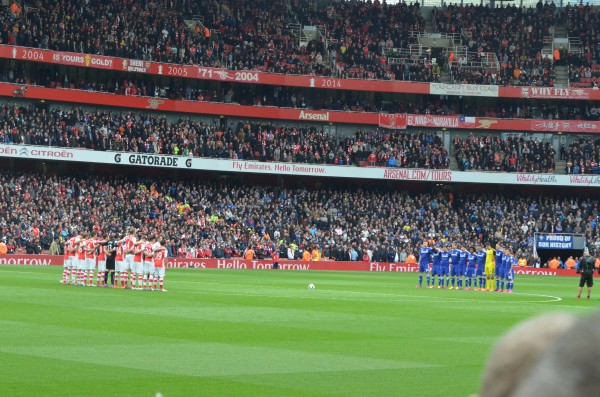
[[475, 268]]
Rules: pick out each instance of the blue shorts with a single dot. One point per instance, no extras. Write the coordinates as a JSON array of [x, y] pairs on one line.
[[423, 268], [510, 275], [444, 270], [506, 273], [435, 271], [470, 271], [457, 271], [479, 271], [498, 271]]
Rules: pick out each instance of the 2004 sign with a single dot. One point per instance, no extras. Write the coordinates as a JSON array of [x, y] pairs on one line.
[[206, 73]]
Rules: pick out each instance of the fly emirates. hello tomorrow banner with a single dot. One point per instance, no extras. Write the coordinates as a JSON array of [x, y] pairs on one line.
[[30, 152], [241, 264]]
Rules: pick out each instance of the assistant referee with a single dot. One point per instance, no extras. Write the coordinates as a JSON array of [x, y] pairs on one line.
[[586, 268]]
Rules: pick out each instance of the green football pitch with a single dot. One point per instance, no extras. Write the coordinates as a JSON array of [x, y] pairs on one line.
[[258, 333]]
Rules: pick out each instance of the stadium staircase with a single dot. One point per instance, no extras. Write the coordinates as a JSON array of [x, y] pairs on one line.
[[453, 166], [560, 167], [562, 76], [429, 28], [560, 30], [561, 40], [445, 77]]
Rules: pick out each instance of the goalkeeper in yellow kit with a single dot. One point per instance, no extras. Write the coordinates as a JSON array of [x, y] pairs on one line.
[[490, 267]]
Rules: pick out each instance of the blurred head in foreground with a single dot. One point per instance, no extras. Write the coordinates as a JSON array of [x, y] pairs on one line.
[[517, 353], [570, 367]]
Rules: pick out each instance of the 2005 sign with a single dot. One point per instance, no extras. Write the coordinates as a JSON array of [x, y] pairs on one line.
[[177, 71]]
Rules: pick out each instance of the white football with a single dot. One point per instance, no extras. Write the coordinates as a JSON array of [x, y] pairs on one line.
[[311, 286]]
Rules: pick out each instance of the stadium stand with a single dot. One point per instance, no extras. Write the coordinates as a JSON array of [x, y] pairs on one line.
[[231, 34], [223, 220], [267, 141], [583, 157], [343, 39], [178, 89], [515, 35], [129, 131], [581, 22], [511, 154], [584, 76], [347, 40]]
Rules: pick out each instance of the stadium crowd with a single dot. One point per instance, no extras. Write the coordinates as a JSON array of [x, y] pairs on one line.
[[510, 154], [583, 157], [209, 219], [128, 131], [582, 21], [514, 34], [236, 34], [265, 141], [264, 35]]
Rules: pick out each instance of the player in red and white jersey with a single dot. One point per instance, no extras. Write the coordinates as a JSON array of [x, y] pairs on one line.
[[68, 262], [182, 251], [148, 263], [130, 242], [90, 247], [101, 263], [81, 268], [138, 263], [72, 248], [160, 263]]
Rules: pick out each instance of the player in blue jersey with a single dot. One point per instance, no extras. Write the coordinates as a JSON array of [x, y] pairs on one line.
[[479, 273], [510, 274], [444, 267], [499, 256], [463, 257], [506, 260], [436, 257], [454, 255], [507, 269], [470, 269], [424, 260]]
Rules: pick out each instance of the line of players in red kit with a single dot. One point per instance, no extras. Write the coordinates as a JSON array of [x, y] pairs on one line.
[[131, 263]]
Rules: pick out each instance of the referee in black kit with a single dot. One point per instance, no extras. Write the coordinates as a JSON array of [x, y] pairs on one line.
[[586, 268], [110, 248]]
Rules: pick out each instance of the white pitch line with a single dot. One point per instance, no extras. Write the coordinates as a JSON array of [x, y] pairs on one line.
[[553, 298], [421, 298], [22, 271], [424, 299]]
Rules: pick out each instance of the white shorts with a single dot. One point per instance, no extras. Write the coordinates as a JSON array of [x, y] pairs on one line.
[[72, 261], [128, 262], [80, 264], [159, 272], [101, 266], [148, 267], [67, 262], [120, 266], [90, 263], [138, 267]]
